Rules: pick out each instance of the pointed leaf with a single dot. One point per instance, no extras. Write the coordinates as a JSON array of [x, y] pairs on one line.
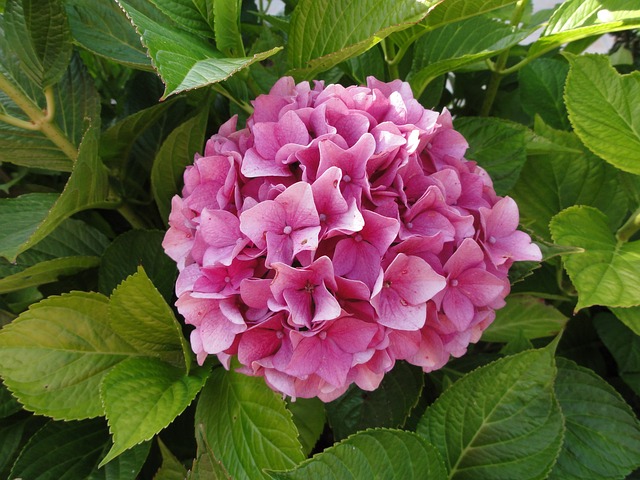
[[541, 88], [373, 454], [14, 434], [206, 466], [324, 33], [455, 10], [232, 404], [142, 396], [139, 313], [38, 32], [309, 417], [602, 438], [185, 61], [499, 421], [176, 153], [226, 18], [387, 406], [54, 356], [8, 404], [524, 316], [171, 468], [604, 111], [605, 273], [630, 317], [185, 14]]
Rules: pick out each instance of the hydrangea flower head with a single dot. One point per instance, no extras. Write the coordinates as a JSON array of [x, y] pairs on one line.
[[340, 231]]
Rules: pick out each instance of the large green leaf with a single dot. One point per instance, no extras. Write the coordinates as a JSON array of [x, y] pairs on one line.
[[8, 404], [72, 450], [139, 313], [38, 32], [604, 110], [309, 417], [498, 146], [602, 437], [185, 61], [630, 317], [206, 466], [324, 33], [499, 421], [233, 407], [453, 46], [450, 11], [176, 153], [387, 406], [524, 316], [103, 29], [624, 345], [541, 88], [549, 183], [186, 15], [54, 356], [373, 454], [606, 272], [226, 18], [171, 468], [578, 19], [142, 396]]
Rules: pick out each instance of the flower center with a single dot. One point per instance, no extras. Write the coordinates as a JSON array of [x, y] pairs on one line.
[[387, 284], [492, 240], [453, 283], [323, 217], [279, 334], [287, 230], [309, 287], [227, 279], [409, 225], [346, 178], [358, 238], [322, 335]]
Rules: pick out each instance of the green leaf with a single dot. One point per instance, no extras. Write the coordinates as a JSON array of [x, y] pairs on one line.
[[54, 356], [72, 450], [125, 467], [630, 317], [605, 273], [541, 88], [309, 418], [370, 63], [552, 182], [187, 15], [623, 345], [499, 421], [142, 396], [602, 437], [604, 111], [38, 32], [185, 61], [498, 146], [387, 406], [206, 466], [226, 17], [14, 434], [524, 316], [103, 29], [139, 313], [8, 404], [176, 153], [232, 404], [577, 19], [373, 454], [456, 45], [324, 33], [171, 468], [455, 10], [133, 249]]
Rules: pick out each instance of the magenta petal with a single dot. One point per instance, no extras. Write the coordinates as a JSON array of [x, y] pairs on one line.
[[413, 279], [299, 206], [307, 357], [267, 216], [255, 292], [468, 255], [357, 260], [352, 335], [326, 305], [458, 308], [480, 286], [395, 312]]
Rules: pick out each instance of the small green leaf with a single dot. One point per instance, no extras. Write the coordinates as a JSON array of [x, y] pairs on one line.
[[387, 406], [54, 356], [232, 404], [498, 146], [456, 45], [133, 249], [206, 466], [103, 29], [38, 32], [624, 345], [373, 454], [142, 396], [604, 111], [630, 317], [577, 19], [139, 313], [309, 417], [524, 316], [8, 404], [176, 153], [541, 88], [14, 434], [499, 421], [551, 182], [324, 33], [185, 61], [226, 17], [605, 273], [602, 437], [186, 15], [171, 468], [455, 10]]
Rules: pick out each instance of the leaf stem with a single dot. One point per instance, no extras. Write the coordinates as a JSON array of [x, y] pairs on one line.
[[630, 227], [39, 120], [391, 58], [223, 91], [132, 217], [500, 64]]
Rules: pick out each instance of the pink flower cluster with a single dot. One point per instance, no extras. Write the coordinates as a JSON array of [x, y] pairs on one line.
[[340, 231]]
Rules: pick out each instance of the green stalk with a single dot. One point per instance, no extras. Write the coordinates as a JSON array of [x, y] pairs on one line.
[[388, 49], [631, 226], [39, 120], [501, 63]]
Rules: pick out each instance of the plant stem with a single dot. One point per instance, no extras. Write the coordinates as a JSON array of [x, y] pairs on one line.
[[501, 63], [631, 226], [39, 120], [390, 57], [223, 91], [132, 217]]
